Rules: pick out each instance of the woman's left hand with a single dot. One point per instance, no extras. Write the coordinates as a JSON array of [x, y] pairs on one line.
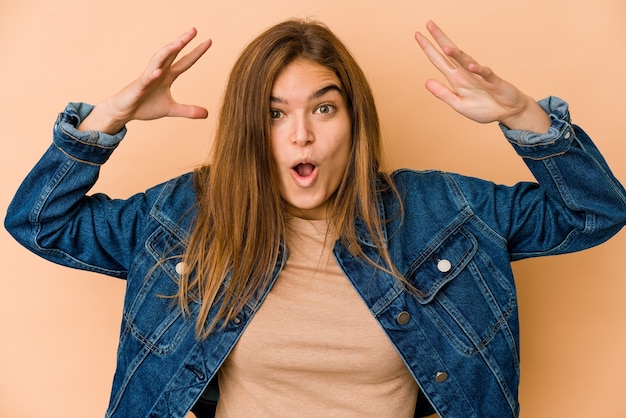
[[475, 91]]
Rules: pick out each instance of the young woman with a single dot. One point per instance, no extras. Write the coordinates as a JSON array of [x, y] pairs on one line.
[[291, 276]]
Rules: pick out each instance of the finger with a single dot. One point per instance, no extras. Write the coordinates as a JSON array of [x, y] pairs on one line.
[[442, 92], [434, 56], [449, 48], [456, 55], [166, 55], [439, 36], [486, 73], [188, 111], [188, 35], [191, 58]]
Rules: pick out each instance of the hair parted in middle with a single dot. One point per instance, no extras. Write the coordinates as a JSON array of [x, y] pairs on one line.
[[237, 240]]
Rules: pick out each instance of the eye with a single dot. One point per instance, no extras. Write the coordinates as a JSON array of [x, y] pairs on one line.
[[325, 109], [275, 114]]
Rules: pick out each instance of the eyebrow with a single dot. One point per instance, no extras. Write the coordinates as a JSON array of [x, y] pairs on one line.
[[315, 95]]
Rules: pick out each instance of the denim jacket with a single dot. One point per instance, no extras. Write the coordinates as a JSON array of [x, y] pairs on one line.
[[455, 241]]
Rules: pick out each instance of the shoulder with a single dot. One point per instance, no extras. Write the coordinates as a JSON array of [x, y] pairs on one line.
[[436, 182], [428, 183], [435, 195], [403, 176]]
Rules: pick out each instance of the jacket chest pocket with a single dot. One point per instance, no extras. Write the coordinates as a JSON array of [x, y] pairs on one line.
[[154, 319], [463, 293]]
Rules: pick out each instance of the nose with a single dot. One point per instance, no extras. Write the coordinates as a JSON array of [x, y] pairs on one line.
[[303, 132]]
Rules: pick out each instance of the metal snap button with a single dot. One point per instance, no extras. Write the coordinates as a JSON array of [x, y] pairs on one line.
[[441, 377], [403, 318], [180, 267], [444, 266]]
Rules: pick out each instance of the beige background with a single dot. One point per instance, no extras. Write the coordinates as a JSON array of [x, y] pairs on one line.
[[59, 327]]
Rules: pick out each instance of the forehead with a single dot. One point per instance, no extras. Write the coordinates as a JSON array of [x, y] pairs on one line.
[[304, 77]]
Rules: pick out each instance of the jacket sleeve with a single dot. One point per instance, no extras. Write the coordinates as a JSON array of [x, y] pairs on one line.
[[575, 204], [52, 215]]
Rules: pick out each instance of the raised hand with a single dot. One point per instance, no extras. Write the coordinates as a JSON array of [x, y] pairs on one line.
[[149, 96], [475, 91]]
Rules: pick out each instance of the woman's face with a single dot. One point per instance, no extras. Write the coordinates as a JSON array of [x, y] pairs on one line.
[[311, 136]]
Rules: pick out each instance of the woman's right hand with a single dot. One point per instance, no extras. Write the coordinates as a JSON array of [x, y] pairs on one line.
[[149, 96]]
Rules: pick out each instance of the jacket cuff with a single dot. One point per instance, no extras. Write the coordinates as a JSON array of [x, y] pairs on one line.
[[87, 146], [557, 140]]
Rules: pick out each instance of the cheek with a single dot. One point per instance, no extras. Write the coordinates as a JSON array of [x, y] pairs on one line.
[[344, 147], [340, 159]]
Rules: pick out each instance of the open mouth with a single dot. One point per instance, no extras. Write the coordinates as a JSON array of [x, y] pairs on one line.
[[304, 169]]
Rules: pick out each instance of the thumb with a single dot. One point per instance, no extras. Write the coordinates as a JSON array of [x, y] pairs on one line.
[[188, 111]]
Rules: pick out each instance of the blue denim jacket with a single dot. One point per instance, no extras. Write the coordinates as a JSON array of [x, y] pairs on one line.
[[458, 336]]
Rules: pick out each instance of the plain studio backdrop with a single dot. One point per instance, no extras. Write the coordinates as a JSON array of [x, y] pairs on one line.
[[59, 327]]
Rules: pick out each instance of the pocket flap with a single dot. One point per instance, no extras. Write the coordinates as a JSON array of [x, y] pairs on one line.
[[441, 262]]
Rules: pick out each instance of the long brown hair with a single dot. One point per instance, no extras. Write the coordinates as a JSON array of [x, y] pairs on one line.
[[240, 226]]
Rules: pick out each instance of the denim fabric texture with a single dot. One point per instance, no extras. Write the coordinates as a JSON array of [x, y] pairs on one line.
[[459, 336]]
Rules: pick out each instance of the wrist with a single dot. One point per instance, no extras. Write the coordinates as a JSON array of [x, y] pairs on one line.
[[101, 119], [530, 118]]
